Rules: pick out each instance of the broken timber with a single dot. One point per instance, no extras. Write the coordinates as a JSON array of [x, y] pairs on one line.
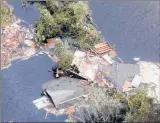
[[73, 74]]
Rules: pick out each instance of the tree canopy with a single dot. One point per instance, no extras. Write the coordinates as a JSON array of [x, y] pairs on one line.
[[67, 19], [4, 14], [107, 105], [7, 16], [139, 104], [102, 107]]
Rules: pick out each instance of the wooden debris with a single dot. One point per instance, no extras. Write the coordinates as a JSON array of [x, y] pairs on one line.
[[70, 110], [127, 86], [102, 48]]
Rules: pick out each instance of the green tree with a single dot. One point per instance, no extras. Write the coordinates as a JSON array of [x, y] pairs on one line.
[[139, 104], [67, 19], [7, 16], [4, 14], [64, 56], [107, 105]]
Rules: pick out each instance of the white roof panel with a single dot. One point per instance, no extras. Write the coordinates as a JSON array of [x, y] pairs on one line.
[[136, 81]]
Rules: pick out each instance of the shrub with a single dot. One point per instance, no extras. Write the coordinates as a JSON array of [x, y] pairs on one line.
[[64, 56], [153, 115], [101, 108], [121, 97], [7, 16], [106, 105], [3, 15], [139, 104]]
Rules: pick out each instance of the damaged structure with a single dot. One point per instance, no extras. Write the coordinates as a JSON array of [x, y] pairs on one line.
[[150, 73], [97, 67], [117, 77], [88, 62], [59, 94], [14, 43], [65, 91]]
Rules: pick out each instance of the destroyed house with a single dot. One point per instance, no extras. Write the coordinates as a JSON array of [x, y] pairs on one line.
[[63, 92], [88, 62]]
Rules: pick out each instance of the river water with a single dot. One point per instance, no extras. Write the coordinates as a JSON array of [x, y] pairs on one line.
[[21, 84], [132, 26]]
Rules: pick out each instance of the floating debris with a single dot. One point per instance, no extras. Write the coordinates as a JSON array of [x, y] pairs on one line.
[[136, 59], [42, 102]]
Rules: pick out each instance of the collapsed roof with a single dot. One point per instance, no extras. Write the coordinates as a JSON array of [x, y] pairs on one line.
[[64, 92]]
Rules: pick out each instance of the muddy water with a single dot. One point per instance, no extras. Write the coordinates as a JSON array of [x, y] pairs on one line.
[[132, 26]]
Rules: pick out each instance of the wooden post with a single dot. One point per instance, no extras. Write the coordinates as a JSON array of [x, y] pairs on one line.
[[57, 73]]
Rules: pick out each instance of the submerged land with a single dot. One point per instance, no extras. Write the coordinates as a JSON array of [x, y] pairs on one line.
[[95, 81]]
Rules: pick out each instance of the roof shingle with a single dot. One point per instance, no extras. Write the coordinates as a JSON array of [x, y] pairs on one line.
[[102, 48]]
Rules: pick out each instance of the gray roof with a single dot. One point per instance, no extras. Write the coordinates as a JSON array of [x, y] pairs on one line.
[[63, 90], [120, 73], [123, 72]]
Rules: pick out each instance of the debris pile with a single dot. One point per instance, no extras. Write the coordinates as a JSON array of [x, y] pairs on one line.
[[11, 38], [88, 63], [64, 92], [96, 67], [60, 95], [49, 46], [15, 44], [150, 73], [149, 76]]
